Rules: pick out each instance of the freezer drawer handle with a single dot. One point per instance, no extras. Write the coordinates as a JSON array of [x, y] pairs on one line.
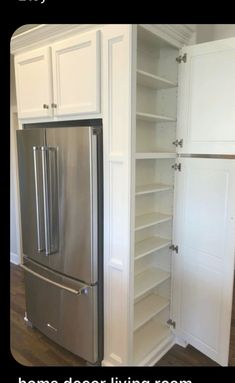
[[83, 290]]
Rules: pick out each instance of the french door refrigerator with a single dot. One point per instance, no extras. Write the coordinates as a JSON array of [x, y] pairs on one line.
[[60, 176]]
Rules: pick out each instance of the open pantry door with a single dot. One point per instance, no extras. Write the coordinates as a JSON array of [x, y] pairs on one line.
[[204, 230]]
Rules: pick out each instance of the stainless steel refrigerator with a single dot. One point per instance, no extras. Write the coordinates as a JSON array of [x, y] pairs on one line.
[[60, 176]]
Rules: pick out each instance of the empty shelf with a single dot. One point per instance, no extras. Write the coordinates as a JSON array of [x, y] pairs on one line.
[[160, 155], [149, 279], [153, 117], [147, 308], [149, 245], [151, 188], [150, 219], [147, 338], [152, 81]]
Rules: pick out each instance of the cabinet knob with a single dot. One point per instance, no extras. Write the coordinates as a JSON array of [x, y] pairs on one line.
[[54, 105], [45, 106]]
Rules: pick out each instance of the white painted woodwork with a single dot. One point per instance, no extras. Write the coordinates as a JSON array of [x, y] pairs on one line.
[[44, 34], [150, 219], [147, 308], [33, 83], [151, 188], [148, 279], [153, 117], [149, 245], [152, 81], [116, 74], [206, 109], [204, 267], [162, 155], [155, 154], [155, 136], [145, 342], [76, 74]]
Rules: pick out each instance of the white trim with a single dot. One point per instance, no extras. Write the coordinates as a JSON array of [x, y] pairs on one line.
[[181, 342], [176, 34], [43, 34], [15, 258], [46, 34]]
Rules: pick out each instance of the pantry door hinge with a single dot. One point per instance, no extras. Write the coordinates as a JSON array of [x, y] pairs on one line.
[[171, 322], [183, 58], [178, 143], [177, 167], [174, 248]]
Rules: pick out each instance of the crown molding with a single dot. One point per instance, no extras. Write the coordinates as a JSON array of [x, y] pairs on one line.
[[45, 34], [176, 34]]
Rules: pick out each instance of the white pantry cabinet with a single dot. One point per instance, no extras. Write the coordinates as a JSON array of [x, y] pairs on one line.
[[169, 206], [61, 79]]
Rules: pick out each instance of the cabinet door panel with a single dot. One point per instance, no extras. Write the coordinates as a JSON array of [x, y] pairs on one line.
[[76, 74], [206, 113], [33, 83], [204, 232]]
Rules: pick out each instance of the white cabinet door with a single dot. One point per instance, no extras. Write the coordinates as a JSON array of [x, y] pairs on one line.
[[33, 83], [204, 266], [206, 109], [76, 74]]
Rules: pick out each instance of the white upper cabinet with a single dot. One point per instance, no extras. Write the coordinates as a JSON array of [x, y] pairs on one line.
[[206, 109], [76, 74], [33, 83], [60, 80]]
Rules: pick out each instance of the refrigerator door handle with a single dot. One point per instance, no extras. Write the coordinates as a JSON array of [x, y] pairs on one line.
[[46, 200], [82, 290], [40, 246], [50, 198]]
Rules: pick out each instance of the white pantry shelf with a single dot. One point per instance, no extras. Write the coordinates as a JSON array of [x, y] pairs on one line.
[[152, 188], [147, 308], [153, 117], [152, 81], [147, 338], [154, 155], [148, 280], [149, 245], [150, 219]]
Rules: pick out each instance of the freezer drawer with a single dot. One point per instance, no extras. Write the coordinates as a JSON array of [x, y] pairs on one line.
[[63, 309]]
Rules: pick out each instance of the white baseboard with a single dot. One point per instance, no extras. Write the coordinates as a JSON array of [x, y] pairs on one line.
[[15, 258], [181, 342]]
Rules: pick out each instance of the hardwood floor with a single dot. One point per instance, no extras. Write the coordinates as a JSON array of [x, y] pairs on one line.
[[31, 348]]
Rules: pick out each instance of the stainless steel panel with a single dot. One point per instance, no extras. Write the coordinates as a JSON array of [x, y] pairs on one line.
[[210, 156], [77, 201], [31, 194], [69, 319]]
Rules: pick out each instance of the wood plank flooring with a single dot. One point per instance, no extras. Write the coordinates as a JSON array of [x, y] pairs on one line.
[[31, 348]]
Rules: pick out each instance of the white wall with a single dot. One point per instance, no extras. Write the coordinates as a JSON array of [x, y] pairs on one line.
[[14, 219], [210, 32], [222, 31], [204, 32]]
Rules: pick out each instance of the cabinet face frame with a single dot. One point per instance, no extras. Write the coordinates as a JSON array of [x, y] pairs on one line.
[[68, 91], [41, 81]]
